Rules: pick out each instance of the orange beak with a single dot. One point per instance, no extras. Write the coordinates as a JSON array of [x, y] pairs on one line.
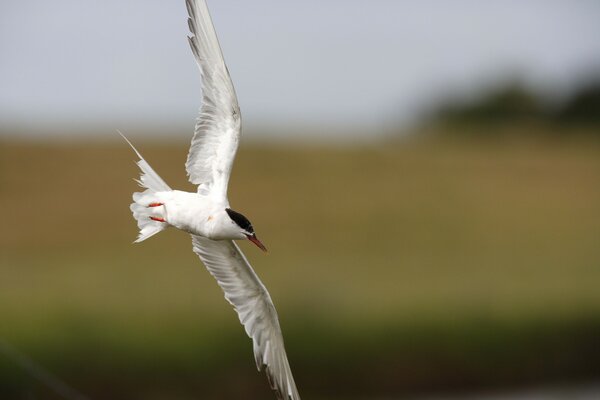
[[257, 242]]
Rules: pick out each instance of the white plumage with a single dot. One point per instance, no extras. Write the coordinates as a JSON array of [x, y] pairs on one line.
[[206, 215], [218, 127], [247, 294]]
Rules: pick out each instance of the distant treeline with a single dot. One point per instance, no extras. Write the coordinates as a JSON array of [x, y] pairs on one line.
[[515, 103]]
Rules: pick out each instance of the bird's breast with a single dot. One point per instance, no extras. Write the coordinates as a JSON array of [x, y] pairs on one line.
[[190, 212]]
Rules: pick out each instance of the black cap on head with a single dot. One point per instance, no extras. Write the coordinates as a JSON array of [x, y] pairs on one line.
[[240, 220]]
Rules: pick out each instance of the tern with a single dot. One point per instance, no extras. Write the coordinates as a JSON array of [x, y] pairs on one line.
[[206, 214]]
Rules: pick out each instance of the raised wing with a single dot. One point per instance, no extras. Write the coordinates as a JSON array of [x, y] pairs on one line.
[[218, 126], [250, 299]]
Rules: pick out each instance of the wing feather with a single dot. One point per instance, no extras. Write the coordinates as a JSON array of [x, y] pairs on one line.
[[250, 299], [218, 127]]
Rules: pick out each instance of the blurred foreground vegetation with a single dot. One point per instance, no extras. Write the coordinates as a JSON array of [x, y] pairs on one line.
[[429, 265]]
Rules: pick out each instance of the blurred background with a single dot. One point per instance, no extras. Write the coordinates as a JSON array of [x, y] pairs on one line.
[[426, 176]]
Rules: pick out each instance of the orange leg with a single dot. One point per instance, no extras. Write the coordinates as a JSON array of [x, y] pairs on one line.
[[157, 219]]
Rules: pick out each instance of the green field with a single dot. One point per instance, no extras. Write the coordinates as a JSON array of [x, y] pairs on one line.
[[412, 266]]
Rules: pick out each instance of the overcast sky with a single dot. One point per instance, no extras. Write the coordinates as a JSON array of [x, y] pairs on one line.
[[354, 63]]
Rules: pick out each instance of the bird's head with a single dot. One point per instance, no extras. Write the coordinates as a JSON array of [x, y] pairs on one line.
[[245, 228]]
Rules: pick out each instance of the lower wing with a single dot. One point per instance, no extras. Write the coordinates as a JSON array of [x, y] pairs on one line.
[[250, 299]]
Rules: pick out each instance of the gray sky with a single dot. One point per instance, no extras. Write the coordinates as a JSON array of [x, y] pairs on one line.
[[363, 64]]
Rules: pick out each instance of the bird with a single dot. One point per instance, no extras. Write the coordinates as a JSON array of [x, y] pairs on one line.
[[206, 214]]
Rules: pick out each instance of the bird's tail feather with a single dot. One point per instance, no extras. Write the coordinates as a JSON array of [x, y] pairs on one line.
[[143, 214]]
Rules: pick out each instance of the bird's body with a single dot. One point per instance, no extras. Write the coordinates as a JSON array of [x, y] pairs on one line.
[[192, 213], [206, 215]]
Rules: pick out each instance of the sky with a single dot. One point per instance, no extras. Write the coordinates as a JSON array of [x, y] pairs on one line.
[[361, 65]]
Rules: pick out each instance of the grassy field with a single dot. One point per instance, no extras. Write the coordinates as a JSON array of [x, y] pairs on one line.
[[414, 266]]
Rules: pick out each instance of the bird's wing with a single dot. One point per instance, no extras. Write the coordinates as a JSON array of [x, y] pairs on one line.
[[250, 299], [218, 126]]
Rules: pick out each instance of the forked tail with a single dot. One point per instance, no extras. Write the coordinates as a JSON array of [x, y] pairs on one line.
[[144, 203]]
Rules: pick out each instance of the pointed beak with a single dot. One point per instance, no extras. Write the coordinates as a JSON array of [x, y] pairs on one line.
[[257, 242]]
